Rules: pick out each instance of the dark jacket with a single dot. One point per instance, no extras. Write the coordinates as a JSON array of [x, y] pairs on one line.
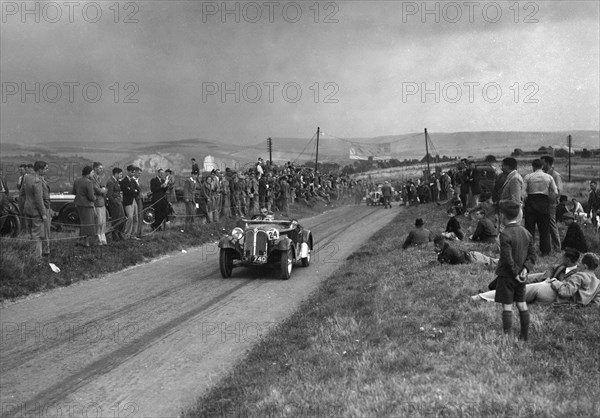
[[485, 231], [575, 238], [130, 190], [452, 255], [83, 189], [454, 226], [516, 251]]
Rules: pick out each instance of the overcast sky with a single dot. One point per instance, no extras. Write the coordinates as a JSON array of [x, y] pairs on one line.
[[354, 68]]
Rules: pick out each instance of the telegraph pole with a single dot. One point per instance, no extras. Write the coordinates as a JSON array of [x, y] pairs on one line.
[[317, 153], [427, 155], [270, 148], [569, 139]]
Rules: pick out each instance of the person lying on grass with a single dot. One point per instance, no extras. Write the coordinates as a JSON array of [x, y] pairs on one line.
[[568, 284], [567, 267], [517, 257], [447, 253], [419, 236]]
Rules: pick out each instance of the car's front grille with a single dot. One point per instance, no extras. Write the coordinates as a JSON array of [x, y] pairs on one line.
[[255, 242], [261, 243]]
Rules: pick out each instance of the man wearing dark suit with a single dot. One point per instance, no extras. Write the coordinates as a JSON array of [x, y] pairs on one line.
[[189, 189], [139, 202], [158, 187], [130, 191], [114, 203]]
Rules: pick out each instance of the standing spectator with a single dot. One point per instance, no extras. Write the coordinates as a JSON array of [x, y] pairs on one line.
[[511, 184], [236, 195], [472, 179], [594, 203], [83, 189], [462, 187], [139, 202], [547, 166], [574, 237], [226, 194], [21, 198], [195, 167], [386, 191], [171, 197], [189, 188], [262, 191], [159, 186], [205, 198], [359, 192], [539, 189], [36, 208], [131, 191], [3, 200], [285, 197], [253, 195], [260, 168], [99, 203], [114, 203], [517, 256]]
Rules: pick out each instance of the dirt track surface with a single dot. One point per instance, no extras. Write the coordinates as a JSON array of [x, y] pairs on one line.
[[145, 342]]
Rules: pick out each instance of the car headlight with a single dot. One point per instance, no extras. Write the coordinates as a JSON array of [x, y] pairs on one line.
[[237, 233]]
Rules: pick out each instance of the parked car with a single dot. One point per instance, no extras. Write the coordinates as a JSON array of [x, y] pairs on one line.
[[12, 223], [263, 241], [64, 211]]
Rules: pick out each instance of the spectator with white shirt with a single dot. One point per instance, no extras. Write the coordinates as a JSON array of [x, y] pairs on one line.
[[539, 189]]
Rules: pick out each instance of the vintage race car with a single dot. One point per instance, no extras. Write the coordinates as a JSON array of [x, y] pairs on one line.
[[263, 241], [375, 198]]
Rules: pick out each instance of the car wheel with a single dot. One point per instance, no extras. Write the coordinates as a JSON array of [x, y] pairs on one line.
[[306, 260], [286, 264], [225, 263], [70, 216], [11, 227], [149, 216]]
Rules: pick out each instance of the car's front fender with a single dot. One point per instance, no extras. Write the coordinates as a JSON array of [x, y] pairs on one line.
[[282, 244], [229, 242]]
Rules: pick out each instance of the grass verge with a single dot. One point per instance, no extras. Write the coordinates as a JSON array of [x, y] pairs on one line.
[[22, 274], [394, 333]]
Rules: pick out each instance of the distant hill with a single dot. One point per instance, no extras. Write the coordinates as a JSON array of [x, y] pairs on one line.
[[176, 154]]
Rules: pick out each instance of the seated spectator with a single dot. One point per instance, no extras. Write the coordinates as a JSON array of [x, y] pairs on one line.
[[561, 208], [578, 211], [453, 229], [419, 236], [574, 238], [486, 230], [452, 255]]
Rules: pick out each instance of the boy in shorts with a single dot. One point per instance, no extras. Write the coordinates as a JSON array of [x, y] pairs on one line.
[[517, 257]]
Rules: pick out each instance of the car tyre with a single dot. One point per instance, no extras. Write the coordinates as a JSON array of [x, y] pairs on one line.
[[286, 264], [149, 216], [226, 263], [306, 260], [70, 216], [11, 227]]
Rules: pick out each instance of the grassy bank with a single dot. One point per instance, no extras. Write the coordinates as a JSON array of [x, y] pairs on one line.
[[22, 274], [394, 333]]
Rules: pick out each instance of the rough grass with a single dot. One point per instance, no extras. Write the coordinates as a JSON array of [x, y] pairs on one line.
[[394, 333], [22, 274]]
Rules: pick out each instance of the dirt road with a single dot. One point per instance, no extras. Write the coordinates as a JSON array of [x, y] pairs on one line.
[[145, 342]]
